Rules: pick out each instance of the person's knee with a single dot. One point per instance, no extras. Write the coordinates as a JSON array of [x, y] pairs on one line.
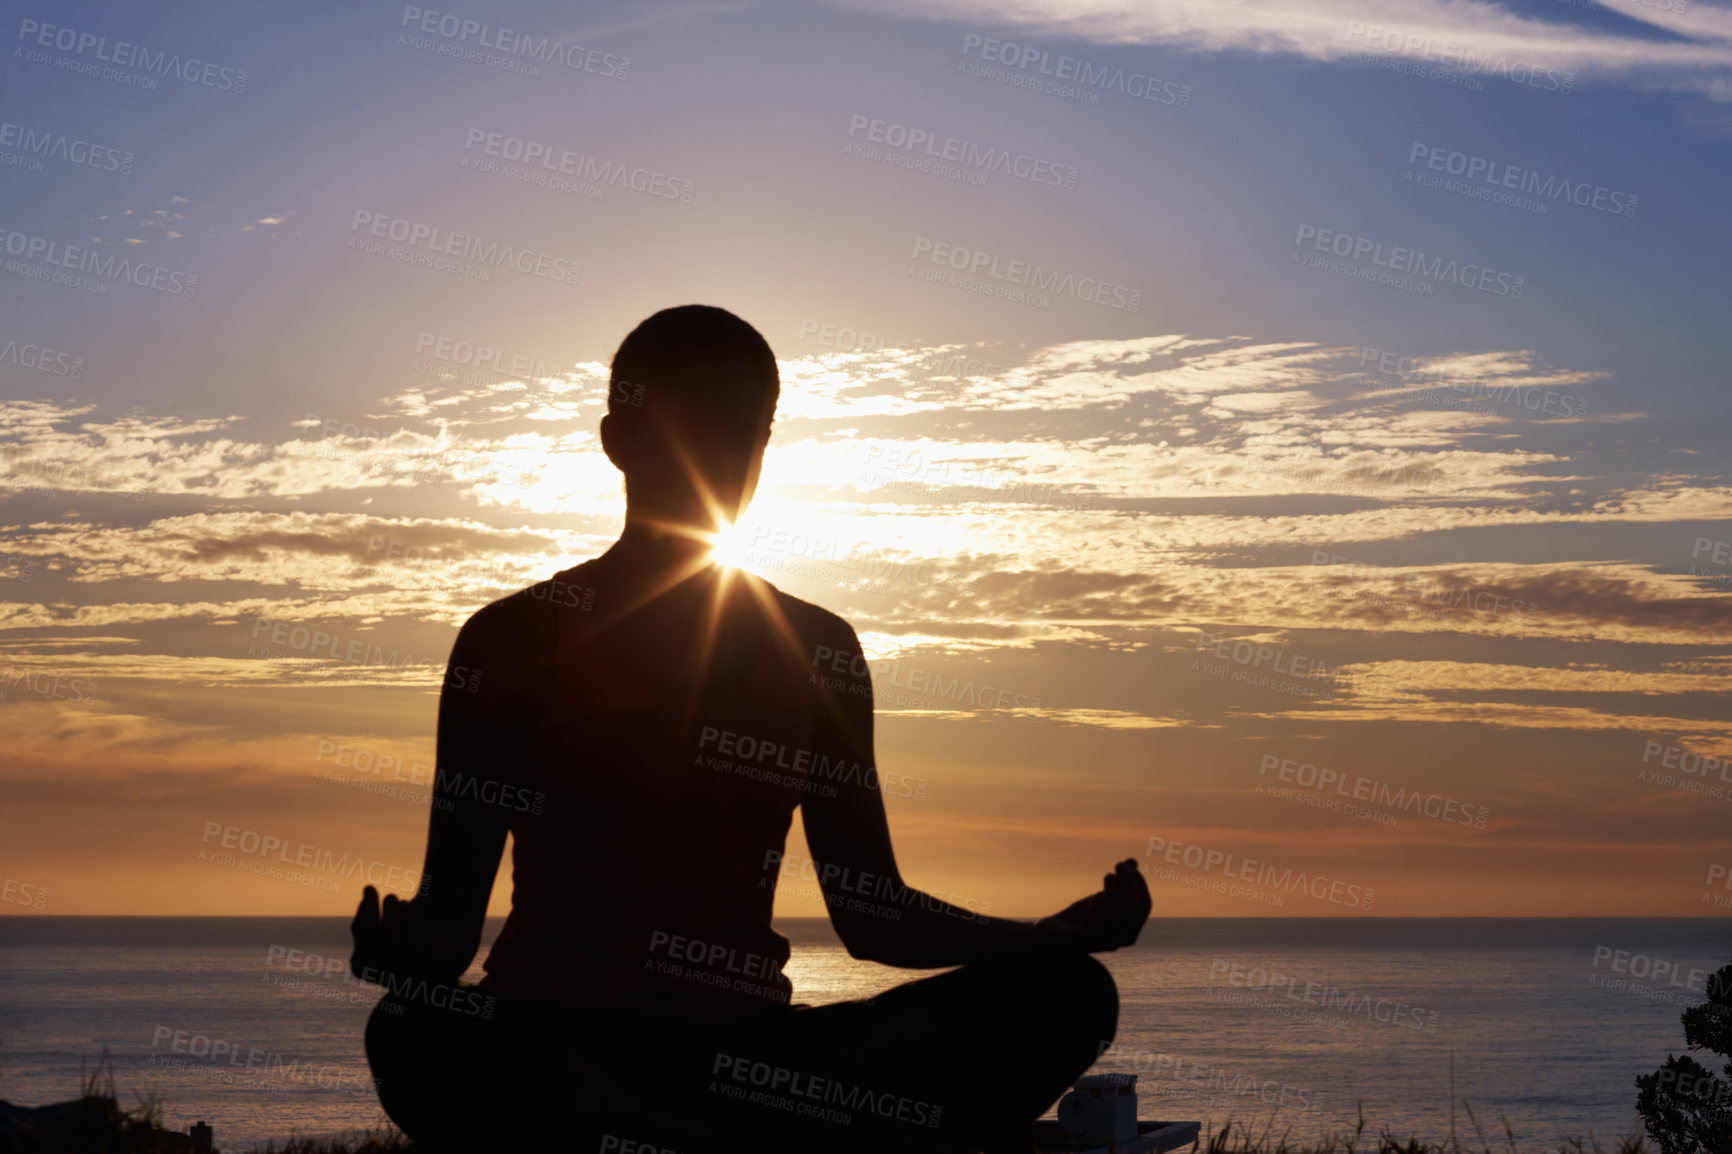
[[1092, 975], [1102, 1000], [395, 1055], [385, 1037], [1072, 988], [1095, 994], [1080, 993]]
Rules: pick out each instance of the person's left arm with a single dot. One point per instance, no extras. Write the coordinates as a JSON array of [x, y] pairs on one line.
[[878, 916]]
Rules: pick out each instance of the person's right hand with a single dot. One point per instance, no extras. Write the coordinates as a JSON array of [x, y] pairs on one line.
[[1102, 921]]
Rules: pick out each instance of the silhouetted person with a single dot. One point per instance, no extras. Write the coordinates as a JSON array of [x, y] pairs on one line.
[[644, 725]]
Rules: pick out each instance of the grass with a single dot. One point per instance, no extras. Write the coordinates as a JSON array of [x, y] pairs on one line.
[[383, 1140], [1231, 1139], [105, 1127]]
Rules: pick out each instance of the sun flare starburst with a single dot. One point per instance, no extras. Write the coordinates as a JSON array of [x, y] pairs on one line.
[[728, 547]]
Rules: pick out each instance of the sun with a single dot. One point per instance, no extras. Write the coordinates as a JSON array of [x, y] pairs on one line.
[[745, 543], [729, 548]]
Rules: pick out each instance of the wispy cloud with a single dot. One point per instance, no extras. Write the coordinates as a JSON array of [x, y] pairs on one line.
[[1686, 51]]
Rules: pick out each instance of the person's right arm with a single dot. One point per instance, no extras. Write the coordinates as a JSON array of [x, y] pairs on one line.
[[500, 655]]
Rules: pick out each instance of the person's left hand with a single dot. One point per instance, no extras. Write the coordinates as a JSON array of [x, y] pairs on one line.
[[395, 940], [1102, 921]]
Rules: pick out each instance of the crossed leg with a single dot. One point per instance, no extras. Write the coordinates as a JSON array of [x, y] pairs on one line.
[[963, 1060]]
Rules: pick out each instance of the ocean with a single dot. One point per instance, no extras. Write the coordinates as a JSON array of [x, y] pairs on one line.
[[1291, 1023]]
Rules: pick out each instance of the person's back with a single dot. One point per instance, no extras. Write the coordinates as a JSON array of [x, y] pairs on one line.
[[659, 776], [644, 725]]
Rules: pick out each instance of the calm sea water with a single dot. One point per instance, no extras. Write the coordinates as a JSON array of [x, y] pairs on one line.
[[1548, 1021]]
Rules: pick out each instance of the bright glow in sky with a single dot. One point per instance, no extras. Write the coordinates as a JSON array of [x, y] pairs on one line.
[[1255, 400]]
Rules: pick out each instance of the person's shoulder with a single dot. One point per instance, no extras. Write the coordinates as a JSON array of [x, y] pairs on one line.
[[526, 615], [814, 625]]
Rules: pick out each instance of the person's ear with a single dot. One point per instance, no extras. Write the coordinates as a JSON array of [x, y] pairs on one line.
[[616, 441]]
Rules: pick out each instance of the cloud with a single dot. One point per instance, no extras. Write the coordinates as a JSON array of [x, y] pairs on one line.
[[1140, 484], [1669, 51], [330, 552]]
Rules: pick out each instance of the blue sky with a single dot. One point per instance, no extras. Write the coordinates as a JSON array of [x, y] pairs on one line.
[[1105, 500]]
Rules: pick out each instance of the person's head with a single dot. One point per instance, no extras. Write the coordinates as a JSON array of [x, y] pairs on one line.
[[691, 397]]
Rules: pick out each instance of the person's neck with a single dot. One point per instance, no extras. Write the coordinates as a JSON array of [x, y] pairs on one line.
[[665, 562], [657, 543]]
